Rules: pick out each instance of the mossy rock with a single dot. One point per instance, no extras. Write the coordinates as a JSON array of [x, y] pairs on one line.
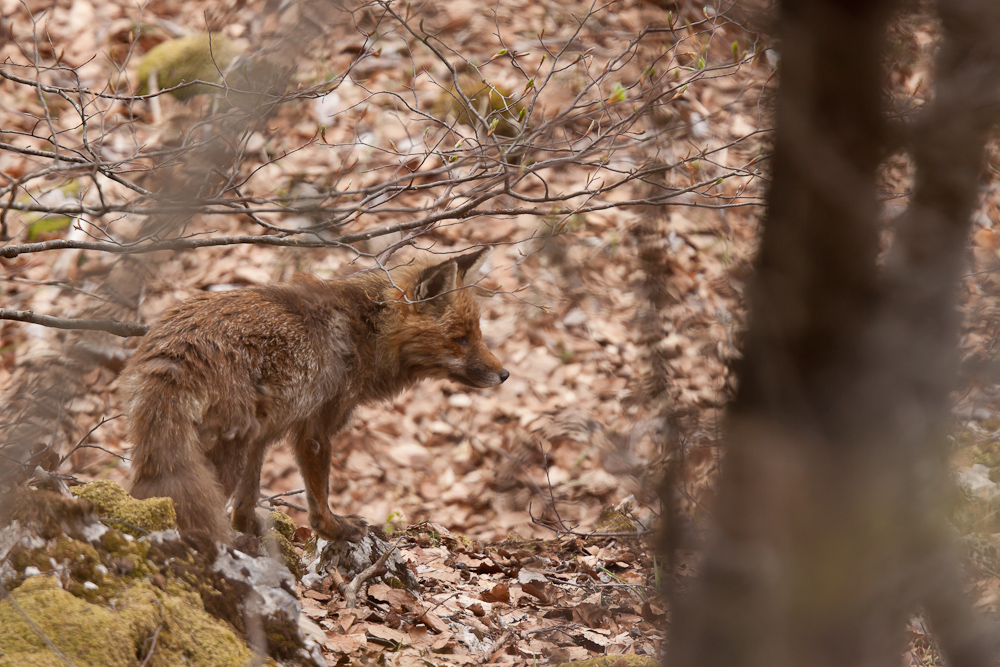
[[79, 564], [135, 517], [86, 633], [199, 57], [101, 608], [93, 636]]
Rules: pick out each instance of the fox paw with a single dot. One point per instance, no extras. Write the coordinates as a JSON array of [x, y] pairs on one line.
[[248, 523], [346, 528]]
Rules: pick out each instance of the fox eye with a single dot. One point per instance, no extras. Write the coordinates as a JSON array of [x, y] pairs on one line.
[[463, 341]]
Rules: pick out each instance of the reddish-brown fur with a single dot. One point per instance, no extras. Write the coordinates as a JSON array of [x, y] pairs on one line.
[[223, 375]]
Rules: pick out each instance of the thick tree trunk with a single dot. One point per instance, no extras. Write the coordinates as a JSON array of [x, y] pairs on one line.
[[831, 516]]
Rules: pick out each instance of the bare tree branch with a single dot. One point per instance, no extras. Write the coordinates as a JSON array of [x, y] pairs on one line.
[[124, 329]]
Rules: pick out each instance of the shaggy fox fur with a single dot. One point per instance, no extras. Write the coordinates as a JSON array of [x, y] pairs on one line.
[[223, 375]]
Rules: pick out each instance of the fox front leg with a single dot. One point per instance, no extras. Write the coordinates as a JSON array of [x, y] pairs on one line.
[[314, 455]]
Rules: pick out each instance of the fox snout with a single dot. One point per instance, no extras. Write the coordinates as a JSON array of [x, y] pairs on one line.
[[486, 380], [479, 368]]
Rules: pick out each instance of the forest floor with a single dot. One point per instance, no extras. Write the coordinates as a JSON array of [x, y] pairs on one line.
[[495, 496]]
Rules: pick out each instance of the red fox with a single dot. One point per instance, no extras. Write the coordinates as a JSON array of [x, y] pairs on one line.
[[223, 375]]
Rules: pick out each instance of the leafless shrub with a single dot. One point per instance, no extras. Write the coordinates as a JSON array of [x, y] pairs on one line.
[[475, 142]]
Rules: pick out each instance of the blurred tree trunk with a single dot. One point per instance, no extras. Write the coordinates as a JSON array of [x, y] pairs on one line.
[[831, 520]]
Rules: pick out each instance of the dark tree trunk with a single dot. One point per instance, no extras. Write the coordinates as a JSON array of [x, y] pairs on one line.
[[833, 500]]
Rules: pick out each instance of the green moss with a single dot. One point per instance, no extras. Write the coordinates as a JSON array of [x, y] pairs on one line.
[[283, 524], [425, 535], [92, 635], [193, 637], [78, 563], [21, 558], [311, 545], [86, 633], [278, 541], [612, 520], [140, 612], [74, 551], [199, 57], [111, 500], [514, 539], [104, 611], [104, 495], [119, 547], [81, 561], [31, 660]]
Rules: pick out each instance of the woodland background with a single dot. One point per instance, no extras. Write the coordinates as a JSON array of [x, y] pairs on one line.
[[621, 186]]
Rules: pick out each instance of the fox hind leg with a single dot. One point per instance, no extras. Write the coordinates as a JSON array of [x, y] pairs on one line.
[[228, 461], [247, 490], [195, 490]]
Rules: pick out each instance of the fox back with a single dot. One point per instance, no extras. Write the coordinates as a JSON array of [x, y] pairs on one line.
[[223, 375]]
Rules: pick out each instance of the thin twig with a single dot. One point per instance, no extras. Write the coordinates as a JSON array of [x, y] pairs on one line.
[[111, 519], [81, 445], [152, 648], [285, 503]]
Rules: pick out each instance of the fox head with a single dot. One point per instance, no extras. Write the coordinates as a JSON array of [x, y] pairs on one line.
[[439, 333]]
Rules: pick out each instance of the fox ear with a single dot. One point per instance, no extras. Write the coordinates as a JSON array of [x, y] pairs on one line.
[[436, 280], [469, 264]]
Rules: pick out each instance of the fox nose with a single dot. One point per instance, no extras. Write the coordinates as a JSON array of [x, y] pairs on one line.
[[504, 375]]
